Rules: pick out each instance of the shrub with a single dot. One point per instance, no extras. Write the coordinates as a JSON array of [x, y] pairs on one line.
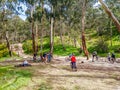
[[115, 49], [58, 50], [2, 46], [101, 47], [3, 50], [27, 47]]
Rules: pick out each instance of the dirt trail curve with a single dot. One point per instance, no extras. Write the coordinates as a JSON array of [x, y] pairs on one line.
[[17, 48]]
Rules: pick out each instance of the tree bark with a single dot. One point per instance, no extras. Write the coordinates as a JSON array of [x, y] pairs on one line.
[[33, 37], [111, 33], [8, 45], [6, 35], [61, 37], [41, 38], [51, 33], [84, 47], [33, 34], [75, 42], [36, 39], [116, 22]]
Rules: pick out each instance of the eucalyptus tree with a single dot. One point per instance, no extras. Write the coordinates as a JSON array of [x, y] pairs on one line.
[[61, 17], [51, 4], [18, 27], [84, 6], [108, 11], [8, 8], [4, 15], [38, 15], [41, 19], [103, 23], [73, 20], [31, 6], [57, 8]]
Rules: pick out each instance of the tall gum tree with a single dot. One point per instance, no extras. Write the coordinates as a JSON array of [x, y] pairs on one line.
[[51, 31], [111, 15], [5, 32], [31, 5], [84, 47]]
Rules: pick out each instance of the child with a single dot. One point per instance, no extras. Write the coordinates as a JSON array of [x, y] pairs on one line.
[[73, 62]]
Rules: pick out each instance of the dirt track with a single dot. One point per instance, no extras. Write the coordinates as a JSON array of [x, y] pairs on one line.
[[98, 75]]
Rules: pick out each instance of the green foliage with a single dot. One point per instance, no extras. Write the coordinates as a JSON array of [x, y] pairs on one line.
[[59, 50], [115, 48], [100, 46], [4, 53], [10, 58], [3, 50], [13, 79], [27, 46], [2, 46]]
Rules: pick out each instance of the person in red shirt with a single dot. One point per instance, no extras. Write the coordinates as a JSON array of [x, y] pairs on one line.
[[73, 62]]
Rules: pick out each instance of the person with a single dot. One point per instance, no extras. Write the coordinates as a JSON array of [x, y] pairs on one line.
[[44, 58], [113, 58], [49, 56], [34, 57], [94, 54], [109, 57], [25, 63], [73, 62], [44, 55]]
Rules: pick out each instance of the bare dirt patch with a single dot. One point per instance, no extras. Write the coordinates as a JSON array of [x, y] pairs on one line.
[[57, 75]]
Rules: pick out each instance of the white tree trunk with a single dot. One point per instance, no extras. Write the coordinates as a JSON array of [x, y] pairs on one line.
[[51, 33]]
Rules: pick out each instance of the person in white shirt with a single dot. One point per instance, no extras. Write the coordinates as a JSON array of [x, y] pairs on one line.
[[25, 63]]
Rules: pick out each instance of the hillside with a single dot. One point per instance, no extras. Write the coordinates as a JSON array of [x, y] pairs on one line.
[[101, 44]]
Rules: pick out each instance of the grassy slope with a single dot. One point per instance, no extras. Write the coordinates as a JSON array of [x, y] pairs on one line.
[[58, 48], [91, 40]]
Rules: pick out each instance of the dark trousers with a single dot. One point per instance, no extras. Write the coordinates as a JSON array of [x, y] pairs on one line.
[[73, 65], [49, 59], [93, 56]]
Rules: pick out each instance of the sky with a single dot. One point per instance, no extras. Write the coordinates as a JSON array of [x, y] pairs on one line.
[[22, 15]]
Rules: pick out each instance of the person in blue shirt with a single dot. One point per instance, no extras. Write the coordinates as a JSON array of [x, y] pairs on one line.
[[49, 56]]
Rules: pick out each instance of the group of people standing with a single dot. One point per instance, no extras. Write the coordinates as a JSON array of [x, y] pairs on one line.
[[94, 55], [111, 56], [45, 57]]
